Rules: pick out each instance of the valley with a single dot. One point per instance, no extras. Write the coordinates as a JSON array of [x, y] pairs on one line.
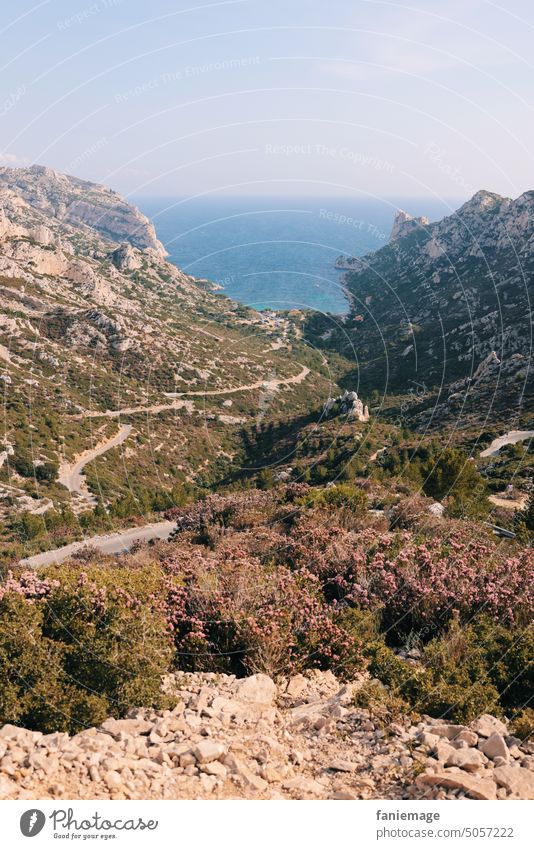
[[217, 523]]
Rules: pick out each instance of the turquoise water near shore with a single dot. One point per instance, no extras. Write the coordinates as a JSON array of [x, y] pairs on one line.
[[277, 253]]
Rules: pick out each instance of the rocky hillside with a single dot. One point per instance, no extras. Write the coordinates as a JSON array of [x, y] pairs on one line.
[[97, 329], [81, 204], [230, 738], [444, 311]]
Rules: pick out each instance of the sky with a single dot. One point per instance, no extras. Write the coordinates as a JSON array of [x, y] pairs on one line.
[[375, 98]]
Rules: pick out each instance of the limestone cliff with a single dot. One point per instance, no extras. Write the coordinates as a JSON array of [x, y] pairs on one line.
[[444, 309], [79, 202]]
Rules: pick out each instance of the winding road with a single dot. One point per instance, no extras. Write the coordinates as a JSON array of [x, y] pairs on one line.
[[113, 543], [268, 385], [71, 474], [509, 438]]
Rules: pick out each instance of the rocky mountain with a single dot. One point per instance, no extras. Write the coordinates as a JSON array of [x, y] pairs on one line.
[[81, 204], [97, 328], [443, 311]]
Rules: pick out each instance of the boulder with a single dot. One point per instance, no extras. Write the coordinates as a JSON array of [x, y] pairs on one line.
[[258, 689], [208, 750], [517, 781], [215, 768], [425, 738], [486, 724], [297, 686], [443, 751], [469, 759], [114, 727], [22, 736], [222, 705], [450, 732], [467, 736], [249, 778], [494, 746], [476, 788]]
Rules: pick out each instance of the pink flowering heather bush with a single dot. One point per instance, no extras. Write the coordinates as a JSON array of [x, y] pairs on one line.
[[276, 582], [236, 510], [235, 614], [416, 582], [426, 582]]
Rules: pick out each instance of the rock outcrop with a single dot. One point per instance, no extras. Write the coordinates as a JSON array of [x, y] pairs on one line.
[[125, 258], [404, 224], [348, 404], [79, 202]]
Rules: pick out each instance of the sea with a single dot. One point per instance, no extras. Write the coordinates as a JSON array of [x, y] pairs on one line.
[[277, 253]]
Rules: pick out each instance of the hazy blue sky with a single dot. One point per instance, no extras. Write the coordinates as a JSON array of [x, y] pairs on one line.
[[293, 97]]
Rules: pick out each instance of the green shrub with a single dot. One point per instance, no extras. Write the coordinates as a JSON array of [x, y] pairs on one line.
[[522, 725], [337, 496], [78, 648], [28, 526], [385, 705], [30, 667], [453, 475], [457, 685], [47, 471], [469, 671]]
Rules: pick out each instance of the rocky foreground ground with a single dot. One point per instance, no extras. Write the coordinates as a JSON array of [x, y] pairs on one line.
[[248, 738]]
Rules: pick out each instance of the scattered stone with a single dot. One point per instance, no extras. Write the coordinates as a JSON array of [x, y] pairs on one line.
[[495, 747], [486, 725], [208, 750], [227, 739], [476, 788], [518, 782]]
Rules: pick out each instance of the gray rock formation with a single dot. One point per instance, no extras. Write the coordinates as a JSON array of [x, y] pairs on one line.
[[404, 224], [125, 258], [349, 405], [79, 202], [451, 306]]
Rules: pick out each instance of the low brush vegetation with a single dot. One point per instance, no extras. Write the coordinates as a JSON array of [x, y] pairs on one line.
[[277, 581]]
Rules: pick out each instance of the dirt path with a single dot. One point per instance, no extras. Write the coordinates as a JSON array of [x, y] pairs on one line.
[[107, 543], [509, 438], [268, 385], [71, 474], [509, 503]]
